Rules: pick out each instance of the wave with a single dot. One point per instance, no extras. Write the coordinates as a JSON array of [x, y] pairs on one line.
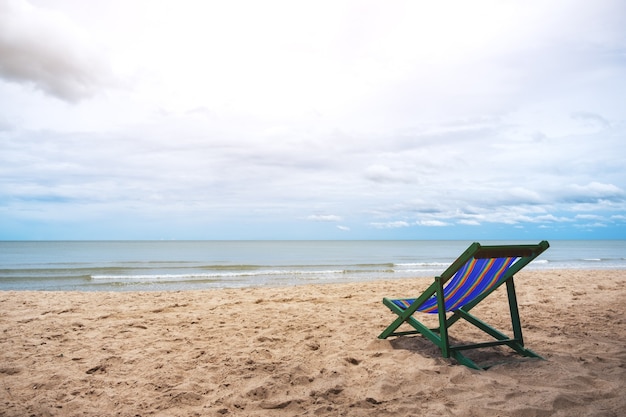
[[218, 275]]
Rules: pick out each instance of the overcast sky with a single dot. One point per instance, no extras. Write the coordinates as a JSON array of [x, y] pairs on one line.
[[312, 119]]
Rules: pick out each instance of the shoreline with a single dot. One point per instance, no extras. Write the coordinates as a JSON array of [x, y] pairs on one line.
[[309, 349], [172, 266], [199, 285]]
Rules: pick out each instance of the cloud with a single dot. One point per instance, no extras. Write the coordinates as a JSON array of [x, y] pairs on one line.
[[469, 222], [324, 218], [591, 119], [432, 223], [5, 126], [382, 173], [589, 217], [390, 225], [49, 51], [593, 192], [590, 226]]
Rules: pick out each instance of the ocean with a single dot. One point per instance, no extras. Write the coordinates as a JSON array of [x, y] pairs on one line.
[[187, 265]]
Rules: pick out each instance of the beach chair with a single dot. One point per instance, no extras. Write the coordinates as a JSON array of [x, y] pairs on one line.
[[478, 272]]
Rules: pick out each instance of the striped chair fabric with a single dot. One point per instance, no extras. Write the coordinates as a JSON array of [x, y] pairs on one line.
[[470, 281]]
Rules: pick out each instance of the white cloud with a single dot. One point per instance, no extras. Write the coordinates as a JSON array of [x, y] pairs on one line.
[[590, 226], [595, 191], [588, 217], [324, 218], [390, 225], [469, 222], [432, 223]]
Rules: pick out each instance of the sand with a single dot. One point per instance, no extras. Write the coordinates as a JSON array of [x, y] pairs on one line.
[[307, 350]]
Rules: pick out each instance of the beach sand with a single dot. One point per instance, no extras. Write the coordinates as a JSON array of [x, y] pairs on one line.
[[307, 350]]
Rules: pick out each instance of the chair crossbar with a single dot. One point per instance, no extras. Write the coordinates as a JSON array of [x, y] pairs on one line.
[[483, 344]]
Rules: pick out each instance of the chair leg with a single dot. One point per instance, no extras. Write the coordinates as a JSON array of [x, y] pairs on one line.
[[515, 321], [464, 360], [391, 328], [443, 323]]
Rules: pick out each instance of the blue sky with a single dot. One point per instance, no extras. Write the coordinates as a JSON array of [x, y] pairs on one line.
[[312, 120]]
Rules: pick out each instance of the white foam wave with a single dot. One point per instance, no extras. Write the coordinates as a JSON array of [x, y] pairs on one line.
[[209, 276]]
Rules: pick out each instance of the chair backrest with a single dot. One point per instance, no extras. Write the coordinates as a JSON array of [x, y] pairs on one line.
[[474, 278], [479, 271]]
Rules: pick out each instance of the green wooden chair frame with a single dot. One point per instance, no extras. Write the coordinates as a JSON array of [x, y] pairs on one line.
[[521, 256]]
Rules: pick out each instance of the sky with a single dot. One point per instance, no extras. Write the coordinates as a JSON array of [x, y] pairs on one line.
[[312, 119]]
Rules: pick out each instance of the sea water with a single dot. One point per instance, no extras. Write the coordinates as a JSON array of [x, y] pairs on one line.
[[183, 265]]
